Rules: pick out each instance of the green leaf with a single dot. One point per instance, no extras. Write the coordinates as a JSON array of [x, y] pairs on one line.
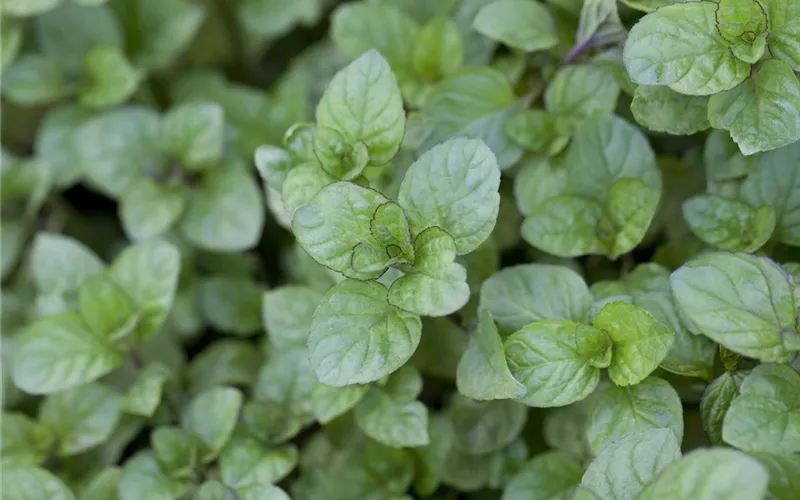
[[34, 79], [716, 400], [784, 475], [438, 50], [552, 474], [359, 27], [393, 422], [55, 145], [110, 78], [738, 300], [662, 109], [631, 206], [774, 182], [69, 32], [436, 285], [142, 477], [302, 184], [61, 352], [454, 186], [537, 181], [246, 463], [784, 23], [211, 417], [32, 483], [103, 485], [357, 337], [567, 226], [520, 24], [214, 490], [389, 226], [622, 469], [148, 273], [287, 313], [106, 309], [474, 102], [338, 158], [537, 131], [335, 222], [24, 440], [519, 295], [483, 372], [225, 213], [329, 402], [28, 8], [579, 92], [765, 415], [558, 361], [729, 224], [485, 426], [167, 27], [763, 113], [599, 24], [144, 396], [10, 41], [81, 418], [286, 382], [621, 411], [176, 450], [149, 209], [640, 341], [273, 164], [60, 264], [223, 362], [363, 103], [740, 20], [697, 61], [232, 304], [710, 474], [192, 133]]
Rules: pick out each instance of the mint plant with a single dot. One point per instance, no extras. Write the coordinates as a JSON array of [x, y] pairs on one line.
[[393, 249]]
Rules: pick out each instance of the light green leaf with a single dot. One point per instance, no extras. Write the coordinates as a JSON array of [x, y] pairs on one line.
[[763, 113], [519, 295], [110, 78], [729, 224], [148, 209], [55, 145], [599, 24], [622, 469], [716, 400], [28, 8], [520, 24], [176, 450], [784, 25], [68, 33], [24, 440], [558, 361], [393, 422], [335, 222], [784, 475], [223, 362], [61, 352], [631, 206], [214, 490], [60, 264], [389, 226], [302, 184], [740, 20], [143, 478], [647, 5], [698, 60], [273, 164], [32, 483], [640, 341], [363, 103], [10, 41], [287, 313], [34, 79], [359, 27], [148, 273], [765, 416], [483, 372], [662, 109], [549, 475], [454, 186], [167, 27], [81, 418], [103, 485], [192, 133], [578, 92], [225, 213], [246, 463], [620, 411], [774, 182], [474, 102], [710, 474], [436, 285], [329, 402], [232, 304], [567, 226], [357, 337], [211, 416], [338, 158], [538, 131], [738, 300], [144, 396], [106, 309], [438, 50], [482, 427], [536, 181]]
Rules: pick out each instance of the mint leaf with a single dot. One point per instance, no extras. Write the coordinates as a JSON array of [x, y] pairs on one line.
[[567, 226], [142, 476], [620, 411], [698, 61], [438, 50], [170, 25], [579, 92], [435, 285], [363, 104], [448, 182], [232, 304], [622, 469], [537, 131], [537, 181], [61, 352], [520, 24], [111, 80], [764, 415], [558, 361], [60, 264], [246, 463], [739, 300], [723, 473], [144, 396], [54, 142], [339, 159], [662, 109], [640, 342], [107, 310], [763, 113], [287, 313], [716, 400], [149, 209], [729, 224], [784, 22], [26, 481], [329, 402], [211, 417], [483, 372], [357, 337], [193, 134], [34, 79], [739, 20], [302, 184], [393, 422], [273, 164], [24, 440], [482, 427], [27, 8], [552, 474], [783, 474]]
